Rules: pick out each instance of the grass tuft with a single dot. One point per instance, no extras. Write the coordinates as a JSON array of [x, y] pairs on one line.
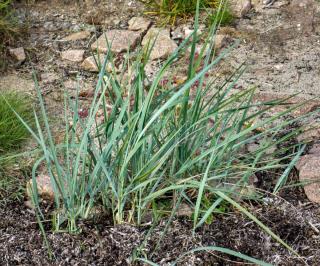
[[12, 132], [12, 138], [11, 189], [225, 18], [144, 146], [9, 28], [182, 143], [171, 10]]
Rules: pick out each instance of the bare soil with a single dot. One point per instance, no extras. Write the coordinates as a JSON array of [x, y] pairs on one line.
[[281, 47], [290, 216]]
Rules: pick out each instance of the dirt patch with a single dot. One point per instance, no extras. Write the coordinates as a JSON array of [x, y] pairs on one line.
[[281, 48], [100, 243]]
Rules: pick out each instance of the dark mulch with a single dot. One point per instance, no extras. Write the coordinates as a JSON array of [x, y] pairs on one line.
[[99, 243]]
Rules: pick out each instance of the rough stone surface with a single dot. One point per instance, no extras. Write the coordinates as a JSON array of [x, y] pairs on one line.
[[184, 210], [221, 41], [257, 5], [240, 8], [187, 30], [90, 63], [311, 133], [119, 40], [73, 55], [70, 84], [309, 172], [81, 35], [245, 8], [178, 33], [154, 33], [18, 54], [16, 82], [44, 187], [49, 77], [315, 149], [139, 23], [163, 45], [81, 84]]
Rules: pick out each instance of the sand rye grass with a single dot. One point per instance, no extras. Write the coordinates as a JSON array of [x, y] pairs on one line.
[[156, 144]]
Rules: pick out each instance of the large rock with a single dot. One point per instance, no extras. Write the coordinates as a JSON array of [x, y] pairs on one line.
[[14, 82], [187, 30], [139, 23], [49, 77], [73, 55], [309, 173], [221, 41], [44, 186], [240, 8], [258, 5], [184, 210], [18, 54], [77, 36], [311, 133], [163, 46], [90, 63], [118, 40]]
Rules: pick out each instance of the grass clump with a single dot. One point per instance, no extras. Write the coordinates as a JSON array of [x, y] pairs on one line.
[[9, 28], [11, 189], [12, 131], [12, 136], [170, 10], [226, 17], [184, 143], [8, 23], [141, 149]]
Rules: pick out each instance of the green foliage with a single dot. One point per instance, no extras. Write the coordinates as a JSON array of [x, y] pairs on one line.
[[9, 28], [12, 131], [156, 144], [170, 10], [161, 144], [8, 23], [225, 17], [12, 135], [11, 189]]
